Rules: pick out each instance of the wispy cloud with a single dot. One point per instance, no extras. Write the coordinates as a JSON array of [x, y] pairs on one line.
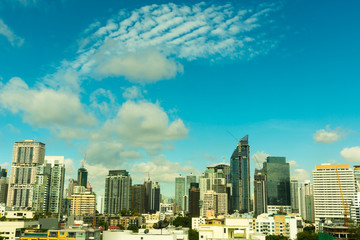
[[129, 42], [10, 35], [259, 158], [328, 135]]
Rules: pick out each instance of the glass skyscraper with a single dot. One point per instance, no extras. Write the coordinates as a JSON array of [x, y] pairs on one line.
[[240, 176], [179, 192], [277, 172]]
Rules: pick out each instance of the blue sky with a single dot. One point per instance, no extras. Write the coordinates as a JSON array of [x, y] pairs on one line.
[[158, 87]]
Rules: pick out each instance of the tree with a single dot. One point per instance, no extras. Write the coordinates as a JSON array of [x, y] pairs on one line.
[[134, 228], [307, 236], [182, 221], [276, 237], [193, 234]]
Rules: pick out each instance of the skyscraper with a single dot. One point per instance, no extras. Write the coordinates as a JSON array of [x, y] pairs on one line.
[[56, 183], [138, 199], [42, 188], [294, 185], [259, 192], [82, 177], [27, 156], [277, 172], [4, 184], [357, 177], [194, 200], [179, 192], [153, 196], [117, 191], [240, 176], [331, 183], [306, 201]]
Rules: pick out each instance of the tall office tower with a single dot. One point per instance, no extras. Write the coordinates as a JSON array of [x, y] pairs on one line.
[[277, 184], [331, 184], [153, 196], [357, 177], [4, 183], [240, 176], [194, 201], [355, 208], [189, 180], [259, 192], [117, 191], [306, 201], [57, 182], [42, 188], [138, 198], [294, 185], [179, 193], [82, 177], [225, 169], [214, 201], [27, 156]]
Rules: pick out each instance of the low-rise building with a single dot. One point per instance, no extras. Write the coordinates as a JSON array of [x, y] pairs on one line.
[[147, 234], [74, 234], [11, 229]]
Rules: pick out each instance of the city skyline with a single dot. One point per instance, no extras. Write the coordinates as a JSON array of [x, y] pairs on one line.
[[285, 73]]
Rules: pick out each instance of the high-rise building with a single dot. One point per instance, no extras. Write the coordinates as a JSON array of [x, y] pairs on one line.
[[27, 156], [179, 192], [82, 177], [153, 196], [216, 202], [306, 201], [332, 183], [138, 198], [189, 180], [83, 202], [294, 185], [259, 192], [56, 183], [117, 191], [277, 184], [4, 184], [42, 188], [194, 201], [357, 177], [240, 176]]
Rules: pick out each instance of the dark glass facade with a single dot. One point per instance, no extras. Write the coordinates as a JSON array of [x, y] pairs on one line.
[[259, 192], [82, 177], [277, 172], [240, 176]]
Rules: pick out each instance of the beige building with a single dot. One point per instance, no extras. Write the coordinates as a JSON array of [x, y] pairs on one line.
[[214, 201], [27, 156], [83, 203]]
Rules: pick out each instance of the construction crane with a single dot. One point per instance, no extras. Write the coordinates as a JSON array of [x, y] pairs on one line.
[[346, 211]]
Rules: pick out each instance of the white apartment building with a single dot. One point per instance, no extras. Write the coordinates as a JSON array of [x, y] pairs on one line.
[[8, 229], [355, 208], [331, 183]]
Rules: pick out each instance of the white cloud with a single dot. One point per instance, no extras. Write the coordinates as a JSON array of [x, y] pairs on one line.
[[160, 169], [293, 163], [97, 174], [129, 42], [45, 107], [260, 158], [103, 100], [10, 35], [132, 93], [140, 67], [328, 135], [69, 167], [145, 125], [300, 174], [351, 154]]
